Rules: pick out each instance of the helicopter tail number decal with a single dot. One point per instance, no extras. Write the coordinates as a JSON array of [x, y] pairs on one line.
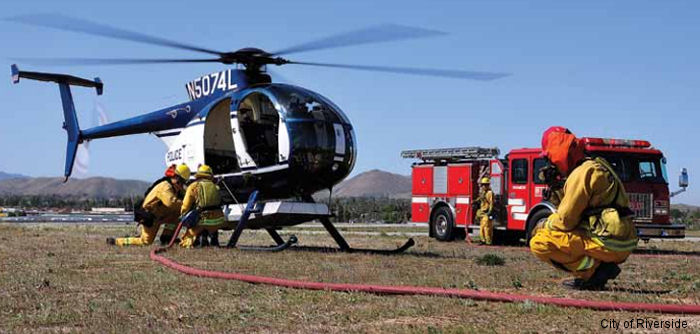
[[211, 85]]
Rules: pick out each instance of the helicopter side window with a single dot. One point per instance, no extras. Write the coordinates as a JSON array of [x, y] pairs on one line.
[[259, 122], [219, 149]]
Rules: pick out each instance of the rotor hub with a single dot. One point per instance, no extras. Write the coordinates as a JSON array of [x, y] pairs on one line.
[[252, 58]]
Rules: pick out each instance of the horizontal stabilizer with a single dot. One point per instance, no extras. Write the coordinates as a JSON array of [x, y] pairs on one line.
[[57, 78]]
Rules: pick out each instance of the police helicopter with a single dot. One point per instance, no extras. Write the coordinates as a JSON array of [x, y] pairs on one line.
[[271, 145]]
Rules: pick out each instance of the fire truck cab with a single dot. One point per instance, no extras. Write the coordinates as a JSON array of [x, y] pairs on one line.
[[445, 185]]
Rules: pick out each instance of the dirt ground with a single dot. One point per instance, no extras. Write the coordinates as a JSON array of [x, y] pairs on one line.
[[66, 279]]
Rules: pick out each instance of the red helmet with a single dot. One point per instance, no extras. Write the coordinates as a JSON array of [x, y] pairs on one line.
[[170, 171], [562, 148]]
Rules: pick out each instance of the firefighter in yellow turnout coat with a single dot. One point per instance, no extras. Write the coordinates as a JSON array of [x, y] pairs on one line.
[[202, 195], [485, 211], [163, 203], [592, 231]]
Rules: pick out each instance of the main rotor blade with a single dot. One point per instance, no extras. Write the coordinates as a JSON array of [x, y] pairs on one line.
[[375, 34], [108, 61], [63, 22], [457, 74]]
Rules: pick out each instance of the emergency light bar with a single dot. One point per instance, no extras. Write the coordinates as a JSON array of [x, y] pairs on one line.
[[611, 142]]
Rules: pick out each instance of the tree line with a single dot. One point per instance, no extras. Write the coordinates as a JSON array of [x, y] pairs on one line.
[[365, 210], [39, 202], [353, 209], [691, 218], [371, 210]]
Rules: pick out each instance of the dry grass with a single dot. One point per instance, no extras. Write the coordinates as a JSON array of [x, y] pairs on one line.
[[66, 279]]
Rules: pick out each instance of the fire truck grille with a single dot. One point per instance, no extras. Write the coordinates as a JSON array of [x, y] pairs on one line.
[[641, 204]]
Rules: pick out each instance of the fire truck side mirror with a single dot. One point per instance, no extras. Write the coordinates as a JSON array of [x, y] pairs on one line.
[[683, 178]]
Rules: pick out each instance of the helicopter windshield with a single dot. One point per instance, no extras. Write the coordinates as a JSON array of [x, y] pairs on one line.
[[305, 104]]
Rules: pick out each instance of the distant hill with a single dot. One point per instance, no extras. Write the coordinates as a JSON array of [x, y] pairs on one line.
[[5, 176], [90, 188], [374, 183], [685, 207]]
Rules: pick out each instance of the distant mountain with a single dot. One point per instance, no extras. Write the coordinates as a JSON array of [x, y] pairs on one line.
[[374, 183], [5, 176], [94, 187]]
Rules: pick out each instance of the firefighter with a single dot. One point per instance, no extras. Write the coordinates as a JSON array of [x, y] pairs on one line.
[[485, 211], [161, 206], [592, 231], [202, 197]]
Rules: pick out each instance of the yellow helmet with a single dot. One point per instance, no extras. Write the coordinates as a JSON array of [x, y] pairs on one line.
[[183, 171], [485, 180], [204, 171]]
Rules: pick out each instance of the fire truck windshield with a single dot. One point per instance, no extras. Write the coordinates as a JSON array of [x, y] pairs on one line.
[[637, 168]]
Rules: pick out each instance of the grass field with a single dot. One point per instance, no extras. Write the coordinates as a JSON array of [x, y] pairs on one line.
[[66, 279]]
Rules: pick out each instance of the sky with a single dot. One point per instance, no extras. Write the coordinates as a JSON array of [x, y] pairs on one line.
[[623, 69]]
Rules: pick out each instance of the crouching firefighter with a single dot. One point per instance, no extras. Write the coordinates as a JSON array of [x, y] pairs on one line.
[[592, 231], [201, 208], [161, 206]]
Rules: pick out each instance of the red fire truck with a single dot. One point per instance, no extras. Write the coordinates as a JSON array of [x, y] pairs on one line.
[[445, 183]]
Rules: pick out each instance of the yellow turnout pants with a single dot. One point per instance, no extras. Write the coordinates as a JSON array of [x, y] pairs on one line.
[[148, 234], [486, 229], [574, 251], [192, 233]]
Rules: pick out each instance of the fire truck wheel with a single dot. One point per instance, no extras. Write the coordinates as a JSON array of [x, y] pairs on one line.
[[538, 217], [442, 224]]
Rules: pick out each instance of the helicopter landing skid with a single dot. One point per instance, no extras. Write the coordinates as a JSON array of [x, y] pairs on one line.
[[281, 244], [253, 207], [345, 247]]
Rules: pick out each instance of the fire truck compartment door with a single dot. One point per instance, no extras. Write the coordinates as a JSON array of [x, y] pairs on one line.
[[440, 180], [460, 179], [420, 210], [422, 179], [460, 186]]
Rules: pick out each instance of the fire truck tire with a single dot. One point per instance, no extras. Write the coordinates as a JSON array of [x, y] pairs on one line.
[[539, 216], [442, 224]]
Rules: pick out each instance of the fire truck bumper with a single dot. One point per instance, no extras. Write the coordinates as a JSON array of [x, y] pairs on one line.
[[664, 231]]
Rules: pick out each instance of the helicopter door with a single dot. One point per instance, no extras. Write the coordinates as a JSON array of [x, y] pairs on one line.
[[258, 122], [219, 149]]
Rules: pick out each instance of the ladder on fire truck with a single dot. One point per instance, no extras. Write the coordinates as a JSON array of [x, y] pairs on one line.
[[452, 154]]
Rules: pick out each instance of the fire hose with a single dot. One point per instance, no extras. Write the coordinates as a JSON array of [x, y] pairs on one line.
[[155, 255]]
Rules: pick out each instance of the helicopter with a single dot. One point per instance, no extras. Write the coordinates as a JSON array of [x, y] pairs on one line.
[[265, 141]]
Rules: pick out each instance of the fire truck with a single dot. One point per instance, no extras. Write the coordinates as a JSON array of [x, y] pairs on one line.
[[445, 185]]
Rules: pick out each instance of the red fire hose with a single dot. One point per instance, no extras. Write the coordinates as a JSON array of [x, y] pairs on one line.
[[420, 290]]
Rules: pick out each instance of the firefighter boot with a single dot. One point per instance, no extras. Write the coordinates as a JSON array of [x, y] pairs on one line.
[[202, 239], [214, 239], [605, 271]]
